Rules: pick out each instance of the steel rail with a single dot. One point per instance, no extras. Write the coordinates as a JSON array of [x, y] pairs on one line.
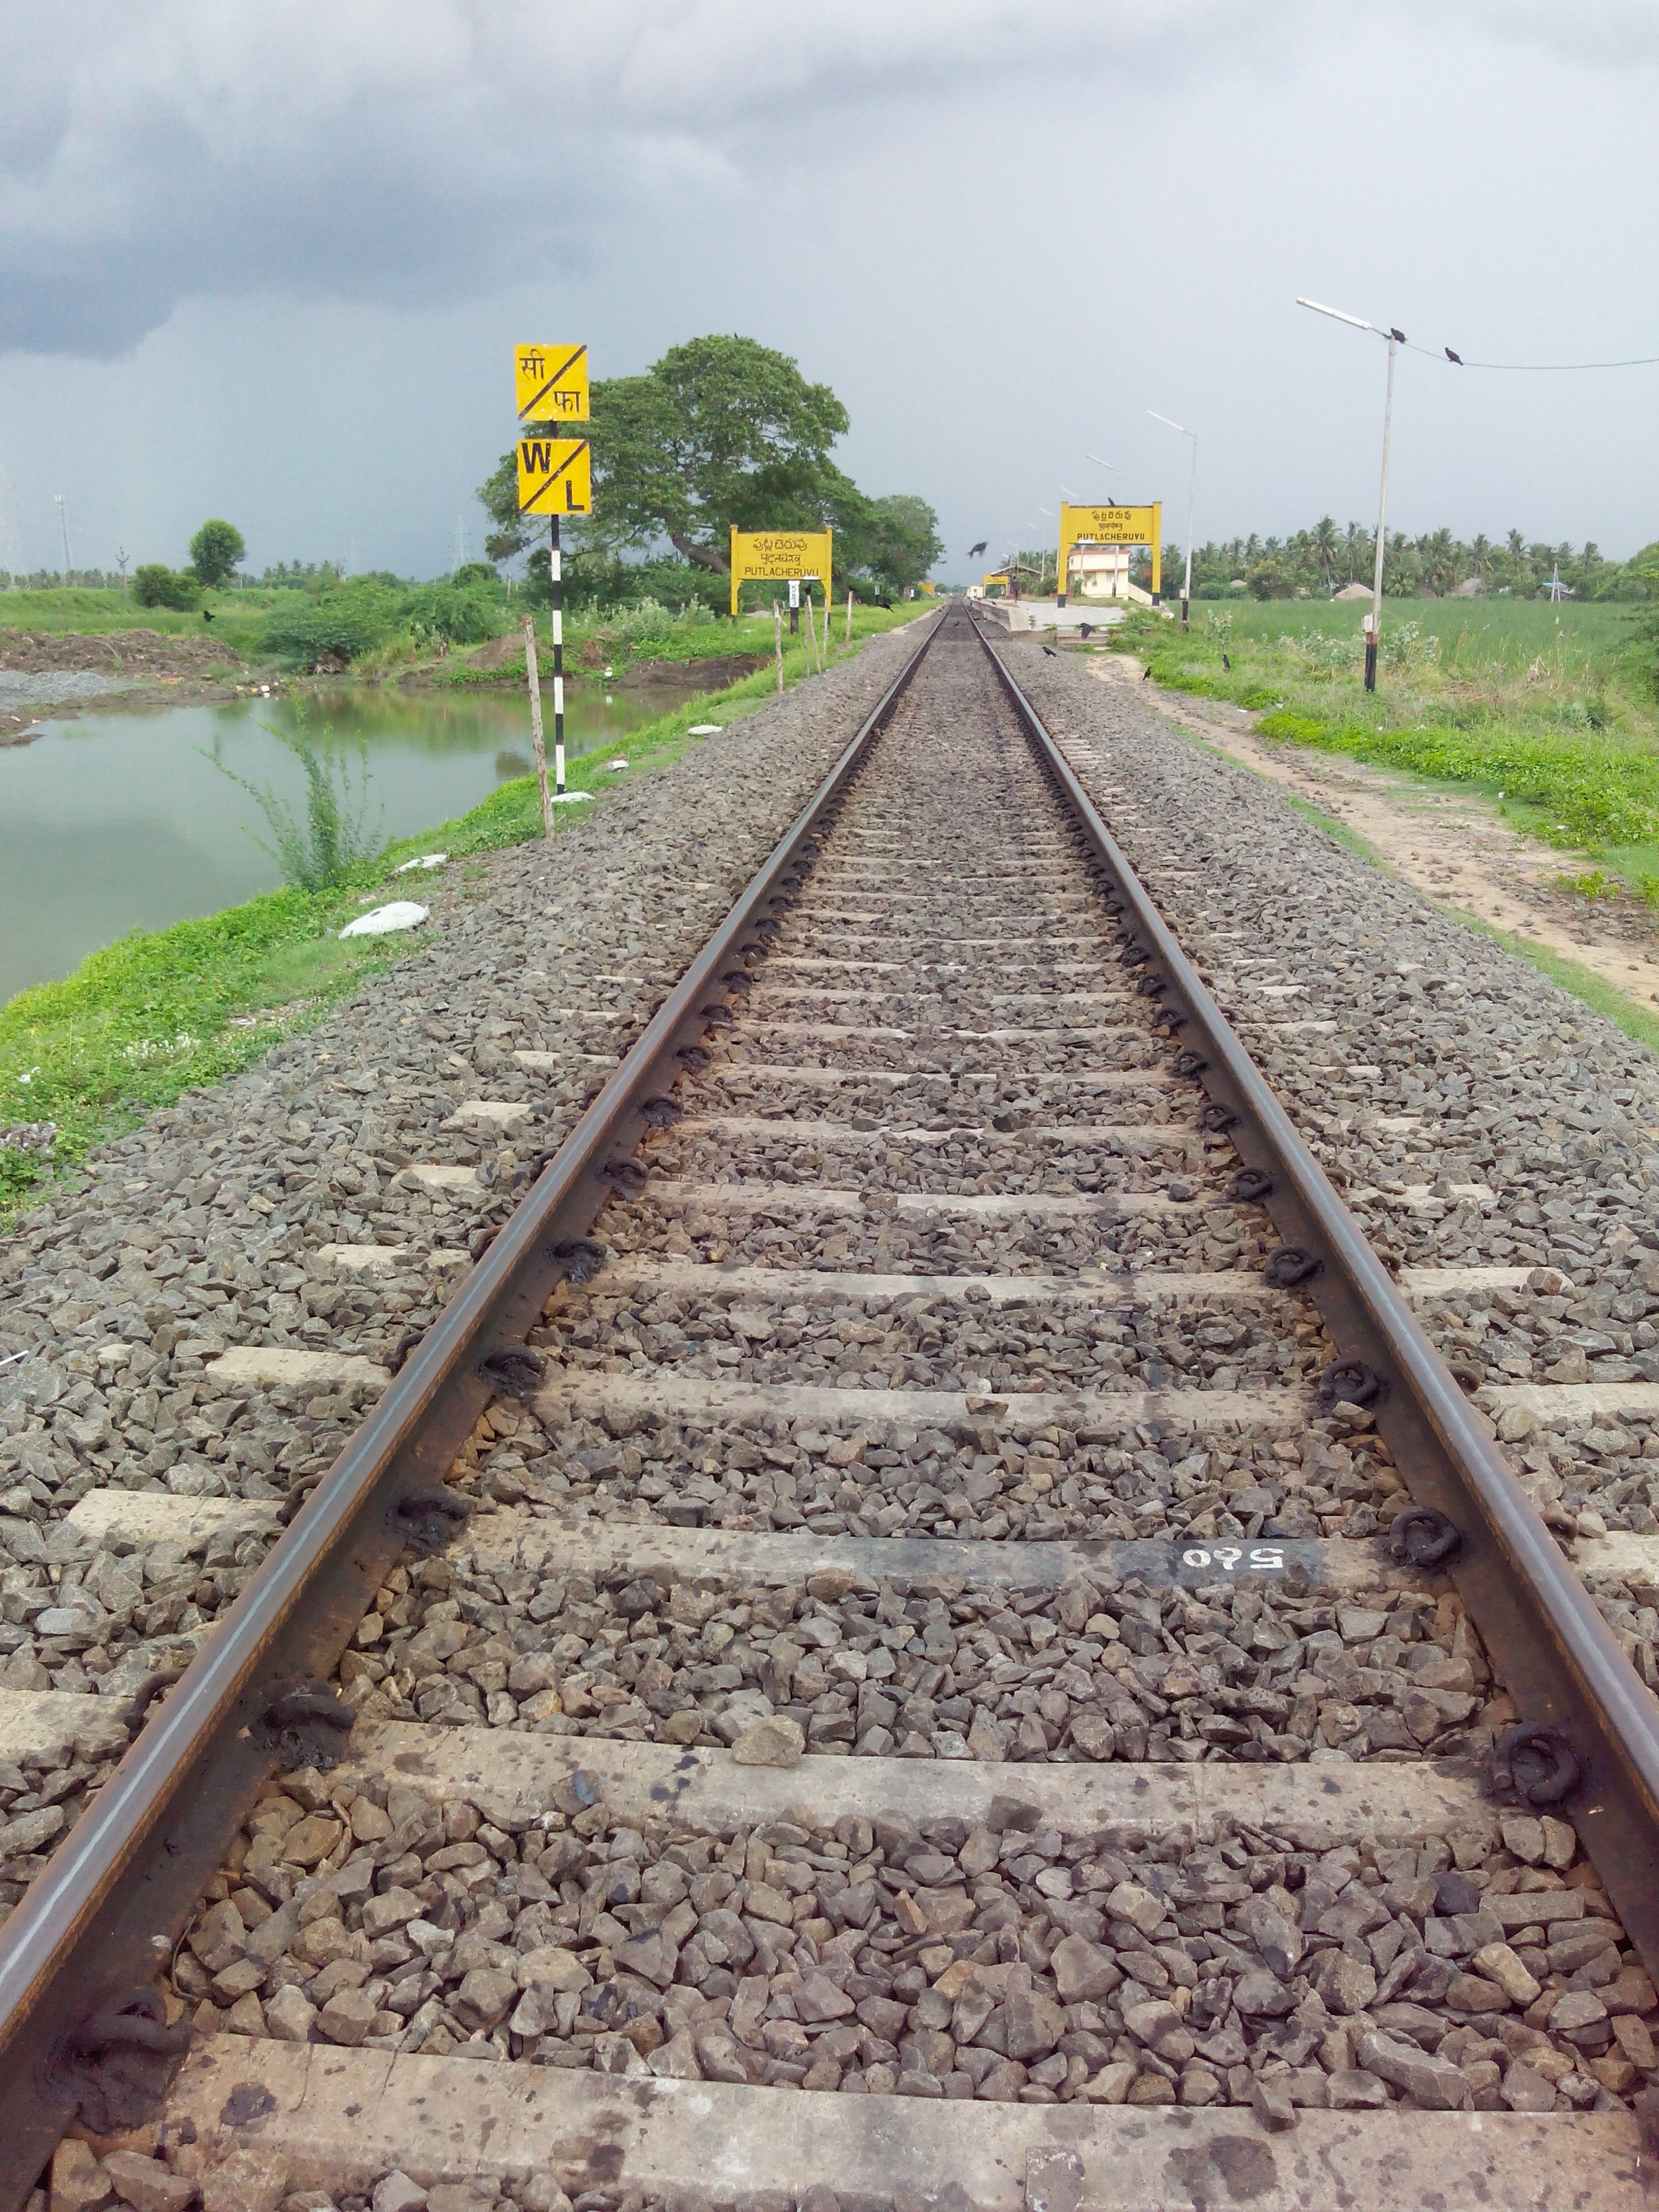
[[1556, 1655], [102, 1918]]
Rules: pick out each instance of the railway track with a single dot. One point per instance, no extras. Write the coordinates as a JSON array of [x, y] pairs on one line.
[[851, 1692]]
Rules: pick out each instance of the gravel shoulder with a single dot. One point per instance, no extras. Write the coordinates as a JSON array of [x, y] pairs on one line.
[[1452, 846]]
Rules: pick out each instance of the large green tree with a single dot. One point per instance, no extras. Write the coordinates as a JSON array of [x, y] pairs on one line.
[[214, 550], [897, 546], [721, 432]]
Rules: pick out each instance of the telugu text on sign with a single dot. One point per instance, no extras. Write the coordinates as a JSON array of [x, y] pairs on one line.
[[781, 557], [1111, 525]]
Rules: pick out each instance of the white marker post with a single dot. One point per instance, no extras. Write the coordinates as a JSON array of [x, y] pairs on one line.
[[535, 723], [777, 642], [850, 618]]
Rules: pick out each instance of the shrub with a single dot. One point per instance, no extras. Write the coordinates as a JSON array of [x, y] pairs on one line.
[[154, 584], [1290, 729], [458, 615], [337, 624]]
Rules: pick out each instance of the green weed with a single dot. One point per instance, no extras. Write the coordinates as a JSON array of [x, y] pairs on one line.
[[333, 842]]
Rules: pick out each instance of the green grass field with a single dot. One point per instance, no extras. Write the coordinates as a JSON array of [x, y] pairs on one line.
[[1549, 711], [617, 635]]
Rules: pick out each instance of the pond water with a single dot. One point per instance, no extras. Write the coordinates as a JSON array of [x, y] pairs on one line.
[[120, 821]]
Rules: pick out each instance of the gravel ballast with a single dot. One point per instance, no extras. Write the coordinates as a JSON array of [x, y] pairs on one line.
[[212, 1226], [883, 1955], [1036, 1133]]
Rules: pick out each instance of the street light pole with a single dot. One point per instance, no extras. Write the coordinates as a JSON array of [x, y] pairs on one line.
[[1394, 339], [62, 516], [1192, 495], [1374, 640]]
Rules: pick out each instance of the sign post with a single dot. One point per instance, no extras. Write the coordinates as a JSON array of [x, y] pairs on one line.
[[782, 555], [556, 478], [1111, 525]]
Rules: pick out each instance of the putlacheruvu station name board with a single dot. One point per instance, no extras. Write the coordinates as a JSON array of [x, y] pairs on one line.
[[1111, 525], [781, 557]]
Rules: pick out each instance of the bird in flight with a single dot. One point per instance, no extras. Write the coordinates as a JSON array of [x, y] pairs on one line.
[[972, 550], [1457, 357]]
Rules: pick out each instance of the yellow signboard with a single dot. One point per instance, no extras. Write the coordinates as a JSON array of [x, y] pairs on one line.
[[995, 583], [551, 383], [556, 476], [1111, 525], [779, 555]]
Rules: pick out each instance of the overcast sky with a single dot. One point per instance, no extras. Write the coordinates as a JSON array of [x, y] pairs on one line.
[[269, 261]]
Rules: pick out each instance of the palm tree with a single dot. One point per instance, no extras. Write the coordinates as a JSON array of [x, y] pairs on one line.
[[1481, 553], [1325, 549], [1355, 545], [1439, 559]]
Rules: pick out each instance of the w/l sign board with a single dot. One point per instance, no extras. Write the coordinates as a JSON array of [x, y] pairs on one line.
[[556, 476], [551, 383]]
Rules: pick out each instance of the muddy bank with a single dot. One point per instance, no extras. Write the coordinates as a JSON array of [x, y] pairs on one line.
[[182, 668]]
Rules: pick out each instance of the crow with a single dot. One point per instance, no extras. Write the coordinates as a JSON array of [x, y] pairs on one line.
[[1087, 629], [206, 616], [972, 550], [1049, 650], [1226, 663], [1145, 675], [1457, 357]]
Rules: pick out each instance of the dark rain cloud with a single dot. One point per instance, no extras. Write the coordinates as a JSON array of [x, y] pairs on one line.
[[410, 153]]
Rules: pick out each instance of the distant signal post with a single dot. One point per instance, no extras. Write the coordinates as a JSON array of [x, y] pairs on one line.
[[556, 478], [1111, 525]]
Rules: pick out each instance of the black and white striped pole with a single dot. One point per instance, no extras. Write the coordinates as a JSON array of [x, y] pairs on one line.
[[555, 580], [555, 479]]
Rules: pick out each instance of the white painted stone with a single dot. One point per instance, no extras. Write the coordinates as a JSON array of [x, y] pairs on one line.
[[401, 913]]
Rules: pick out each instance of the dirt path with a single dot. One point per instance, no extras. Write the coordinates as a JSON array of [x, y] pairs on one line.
[[1453, 846]]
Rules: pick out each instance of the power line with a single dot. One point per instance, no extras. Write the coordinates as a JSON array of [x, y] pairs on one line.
[[1448, 359]]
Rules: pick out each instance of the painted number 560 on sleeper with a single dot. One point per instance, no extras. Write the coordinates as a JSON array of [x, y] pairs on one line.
[[1261, 1559]]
